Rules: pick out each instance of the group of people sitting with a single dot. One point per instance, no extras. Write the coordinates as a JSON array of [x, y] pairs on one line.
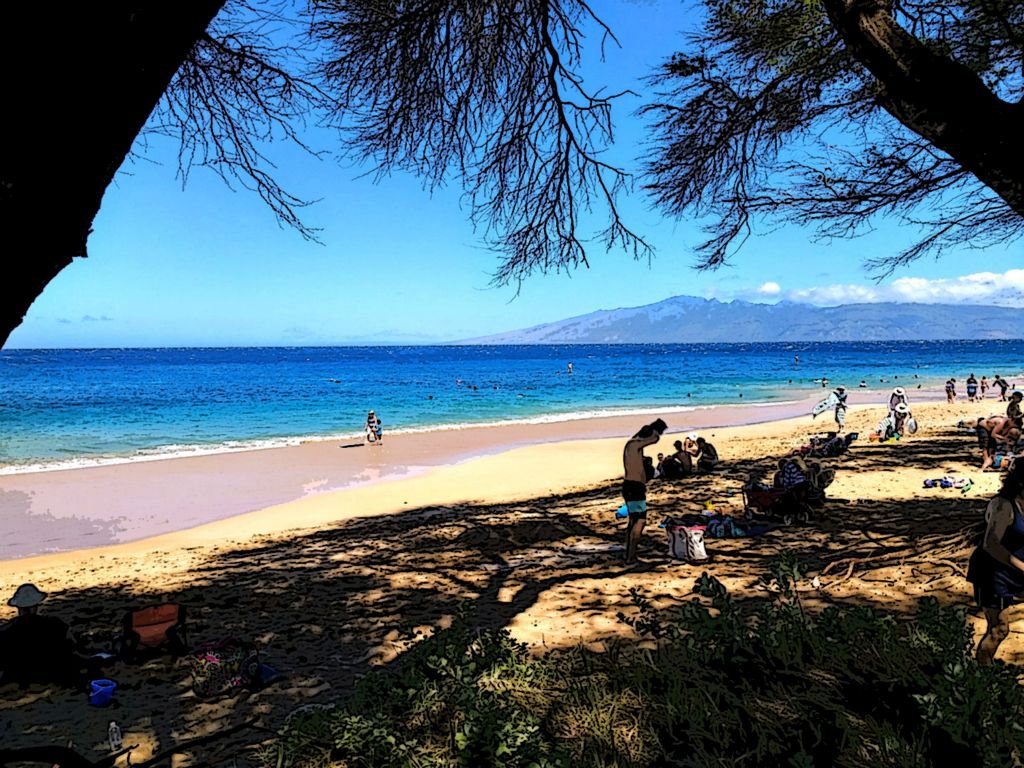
[[692, 453]]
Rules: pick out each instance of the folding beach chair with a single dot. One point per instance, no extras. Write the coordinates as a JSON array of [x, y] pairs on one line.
[[155, 628]]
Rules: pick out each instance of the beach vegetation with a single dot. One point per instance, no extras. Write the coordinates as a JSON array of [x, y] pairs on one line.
[[709, 682], [840, 112], [831, 112]]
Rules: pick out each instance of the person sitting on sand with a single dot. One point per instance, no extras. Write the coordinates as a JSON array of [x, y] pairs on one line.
[[996, 567], [649, 470], [38, 649], [634, 483], [659, 468], [991, 432], [683, 456], [707, 460]]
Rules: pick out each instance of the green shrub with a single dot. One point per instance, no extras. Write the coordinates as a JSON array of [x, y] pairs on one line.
[[721, 686]]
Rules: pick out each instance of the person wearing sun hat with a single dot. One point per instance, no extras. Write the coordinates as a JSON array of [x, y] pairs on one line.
[[26, 599], [37, 649], [899, 395]]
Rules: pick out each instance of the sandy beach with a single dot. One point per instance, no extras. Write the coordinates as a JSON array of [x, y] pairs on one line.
[[72, 509], [519, 524]]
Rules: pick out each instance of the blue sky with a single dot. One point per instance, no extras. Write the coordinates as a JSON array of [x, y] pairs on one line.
[[210, 266]]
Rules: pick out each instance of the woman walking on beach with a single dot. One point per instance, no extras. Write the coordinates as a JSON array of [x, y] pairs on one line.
[[996, 567]]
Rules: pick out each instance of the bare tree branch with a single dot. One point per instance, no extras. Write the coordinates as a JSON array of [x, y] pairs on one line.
[[240, 90], [487, 92]]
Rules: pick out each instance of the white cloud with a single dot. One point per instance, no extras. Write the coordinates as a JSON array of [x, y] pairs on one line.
[[770, 289], [1005, 289]]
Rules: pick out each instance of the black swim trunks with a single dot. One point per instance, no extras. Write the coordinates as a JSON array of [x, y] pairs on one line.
[[633, 490], [634, 493]]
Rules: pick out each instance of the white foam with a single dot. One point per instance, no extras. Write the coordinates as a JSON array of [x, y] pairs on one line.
[[182, 451]]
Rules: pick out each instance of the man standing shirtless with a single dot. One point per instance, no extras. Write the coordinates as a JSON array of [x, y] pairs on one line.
[[634, 484]]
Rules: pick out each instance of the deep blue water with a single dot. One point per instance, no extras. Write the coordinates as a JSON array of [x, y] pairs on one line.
[[70, 405]]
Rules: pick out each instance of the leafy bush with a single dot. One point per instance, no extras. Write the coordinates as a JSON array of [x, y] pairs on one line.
[[776, 686]]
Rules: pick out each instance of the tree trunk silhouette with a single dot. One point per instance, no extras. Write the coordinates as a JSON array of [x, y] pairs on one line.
[[67, 132], [938, 98]]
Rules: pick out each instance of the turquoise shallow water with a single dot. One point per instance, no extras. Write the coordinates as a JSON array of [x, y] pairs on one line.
[[63, 407]]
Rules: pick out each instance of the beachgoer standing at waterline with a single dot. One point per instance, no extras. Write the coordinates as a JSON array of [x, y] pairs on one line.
[[374, 430], [634, 483]]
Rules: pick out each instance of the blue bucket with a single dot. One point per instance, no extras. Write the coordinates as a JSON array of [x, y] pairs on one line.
[[101, 692]]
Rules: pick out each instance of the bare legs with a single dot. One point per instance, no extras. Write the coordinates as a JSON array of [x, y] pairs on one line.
[[634, 530], [997, 630]]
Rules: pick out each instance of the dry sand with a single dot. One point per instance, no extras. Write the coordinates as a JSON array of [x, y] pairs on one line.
[[527, 536]]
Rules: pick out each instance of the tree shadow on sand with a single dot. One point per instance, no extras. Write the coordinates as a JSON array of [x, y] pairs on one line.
[[327, 606]]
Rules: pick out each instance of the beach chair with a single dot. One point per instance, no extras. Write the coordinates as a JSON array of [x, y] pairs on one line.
[[155, 628], [785, 505]]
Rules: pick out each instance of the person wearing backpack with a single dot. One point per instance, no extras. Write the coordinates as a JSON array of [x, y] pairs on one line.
[[634, 483], [996, 567]]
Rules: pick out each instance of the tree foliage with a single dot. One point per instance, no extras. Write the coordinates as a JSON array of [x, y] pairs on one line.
[[832, 112], [487, 91], [835, 113]]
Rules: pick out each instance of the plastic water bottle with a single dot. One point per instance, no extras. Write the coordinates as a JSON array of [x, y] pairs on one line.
[[114, 736]]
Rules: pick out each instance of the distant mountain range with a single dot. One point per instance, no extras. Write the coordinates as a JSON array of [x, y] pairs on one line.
[[684, 319]]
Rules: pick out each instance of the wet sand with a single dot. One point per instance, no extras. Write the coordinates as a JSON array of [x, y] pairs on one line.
[[71, 509]]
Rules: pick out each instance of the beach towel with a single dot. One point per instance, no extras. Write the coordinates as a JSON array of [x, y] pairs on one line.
[[222, 666], [829, 402]]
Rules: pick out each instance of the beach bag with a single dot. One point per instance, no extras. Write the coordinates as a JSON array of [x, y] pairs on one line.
[[223, 666], [722, 527], [686, 542]]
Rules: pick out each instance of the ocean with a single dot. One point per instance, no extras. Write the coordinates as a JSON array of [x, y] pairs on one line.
[[65, 408]]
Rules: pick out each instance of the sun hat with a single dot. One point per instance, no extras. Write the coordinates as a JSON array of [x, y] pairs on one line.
[[27, 596], [841, 388], [902, 408], [899, 391], [691, 435]]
